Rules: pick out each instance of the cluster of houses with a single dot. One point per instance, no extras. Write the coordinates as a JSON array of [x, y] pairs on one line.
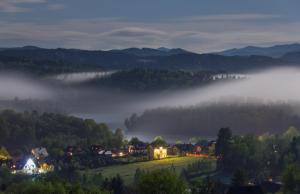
[[39, 161], [143, 149], [160, 152], [34, 163]]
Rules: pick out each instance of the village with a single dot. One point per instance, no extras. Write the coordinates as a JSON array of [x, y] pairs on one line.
[[39, 161], [197, 160]]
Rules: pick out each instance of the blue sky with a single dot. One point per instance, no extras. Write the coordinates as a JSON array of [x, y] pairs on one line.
[[197, 25]]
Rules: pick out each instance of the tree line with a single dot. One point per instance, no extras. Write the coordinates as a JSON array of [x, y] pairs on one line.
[[254, 158], [21, 131], [143, 79], [205, 119]]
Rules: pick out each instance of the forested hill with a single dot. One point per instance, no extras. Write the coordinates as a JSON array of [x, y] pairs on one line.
[[54, 131], [46, 61], [243, 118], [147, 52], [141, 80]]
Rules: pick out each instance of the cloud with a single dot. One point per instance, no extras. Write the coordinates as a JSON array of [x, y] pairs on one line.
[[230, 17], [10, 7], [27, 1], [134, 32], [15, 6], [210, 34], [56, 6]]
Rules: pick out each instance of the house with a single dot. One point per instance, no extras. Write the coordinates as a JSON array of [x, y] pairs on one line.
[[108, 153], [97, 149], [138, 149], [157, 153], [44, 168], [246, 190], [185, 149], [30, 167], [271, 187], [73, 150], [211, 144], [119, 153], [8, 163], [39, 153]]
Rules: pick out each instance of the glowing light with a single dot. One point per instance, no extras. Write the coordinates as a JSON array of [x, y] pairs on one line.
[[29, 167], [159, 153], [270, 179]]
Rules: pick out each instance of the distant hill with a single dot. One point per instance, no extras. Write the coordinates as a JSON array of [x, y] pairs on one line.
[[147, 52], [206, 120], [293, 57], [141, 80], [52, 61], [274, 51]]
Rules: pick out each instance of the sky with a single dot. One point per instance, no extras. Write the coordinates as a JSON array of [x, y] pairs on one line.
[[196, 25]]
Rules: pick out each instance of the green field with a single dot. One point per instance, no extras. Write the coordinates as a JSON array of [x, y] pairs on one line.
[[127, 171]]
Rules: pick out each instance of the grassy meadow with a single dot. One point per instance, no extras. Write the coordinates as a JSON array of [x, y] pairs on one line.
[[127, 171]]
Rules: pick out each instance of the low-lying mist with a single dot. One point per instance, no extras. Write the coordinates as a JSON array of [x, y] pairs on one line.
[[271, 87], [17, 85], [81, 76]]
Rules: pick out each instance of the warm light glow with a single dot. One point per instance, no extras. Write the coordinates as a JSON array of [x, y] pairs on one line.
[[270, 179], [159, 153]]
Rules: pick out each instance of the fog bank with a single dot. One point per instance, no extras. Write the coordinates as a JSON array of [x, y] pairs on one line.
[[22, 86], [272, 85], [80, 77], [113, 107]]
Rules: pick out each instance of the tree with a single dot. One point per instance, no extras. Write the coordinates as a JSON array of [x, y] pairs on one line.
[[204, 186], [159, 141], [118, 138], [135, 141], [239, 178], [117, 185], [137, 175], [161, 182], [48, 187], [5, 176], [4, 153], [223, 142], [54, 131], [222, 149], [291, 179], [291, 133]]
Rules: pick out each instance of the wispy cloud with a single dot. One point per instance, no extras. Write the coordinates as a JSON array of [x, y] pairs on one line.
[[134, 32], [210, 34], [56, 6], [230, 17], [27, 1], [15, 6]]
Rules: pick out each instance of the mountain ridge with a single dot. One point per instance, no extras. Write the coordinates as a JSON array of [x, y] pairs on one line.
[[275, 51], [147, 52], [47, 61]]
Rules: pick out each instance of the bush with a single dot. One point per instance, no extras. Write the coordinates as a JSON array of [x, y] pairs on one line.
[[161, 182]]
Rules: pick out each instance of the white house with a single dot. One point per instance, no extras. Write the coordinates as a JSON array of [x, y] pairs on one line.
[[30, 167]]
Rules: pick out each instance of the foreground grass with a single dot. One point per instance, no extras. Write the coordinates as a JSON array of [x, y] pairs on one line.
[[127, 171]]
